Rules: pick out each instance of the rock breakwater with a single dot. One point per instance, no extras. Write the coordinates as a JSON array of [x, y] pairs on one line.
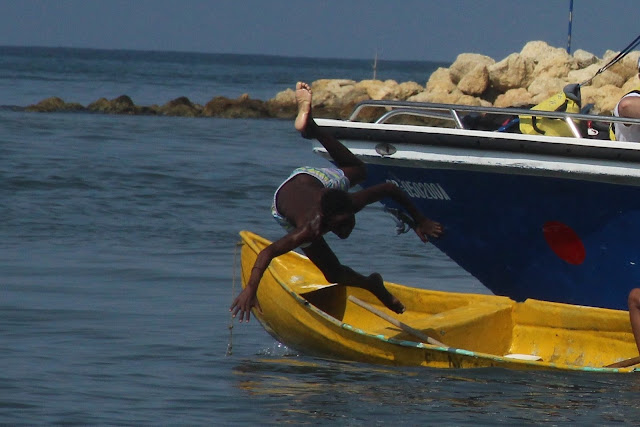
[[521, 79]]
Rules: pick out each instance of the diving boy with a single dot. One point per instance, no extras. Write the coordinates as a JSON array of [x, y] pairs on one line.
[[315, 201]]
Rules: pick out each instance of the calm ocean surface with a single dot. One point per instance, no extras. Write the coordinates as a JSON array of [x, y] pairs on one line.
[[117, 256]]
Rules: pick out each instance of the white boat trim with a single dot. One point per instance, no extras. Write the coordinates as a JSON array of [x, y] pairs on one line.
[[592, 160]]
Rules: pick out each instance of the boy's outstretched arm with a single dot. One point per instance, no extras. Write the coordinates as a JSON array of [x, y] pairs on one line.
[[246, 300], [424, 227]]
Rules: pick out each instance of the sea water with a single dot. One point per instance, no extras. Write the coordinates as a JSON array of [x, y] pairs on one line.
[[118, 248]]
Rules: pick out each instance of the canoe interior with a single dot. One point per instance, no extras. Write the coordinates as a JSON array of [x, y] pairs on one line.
[[499, 326]]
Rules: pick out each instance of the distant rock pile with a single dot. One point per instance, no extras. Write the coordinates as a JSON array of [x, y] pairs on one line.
[[520, 79]]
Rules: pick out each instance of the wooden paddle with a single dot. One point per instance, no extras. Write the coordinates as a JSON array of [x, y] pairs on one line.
[[408, 329], [625, 363]]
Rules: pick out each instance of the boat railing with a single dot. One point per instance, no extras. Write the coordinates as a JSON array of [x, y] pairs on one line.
[[453, 112]]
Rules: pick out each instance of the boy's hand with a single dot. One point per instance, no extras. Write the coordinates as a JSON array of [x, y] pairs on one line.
[[243, 304], [427, 228]]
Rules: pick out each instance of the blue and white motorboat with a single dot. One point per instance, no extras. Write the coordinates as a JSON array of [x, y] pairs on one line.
[[554, 218]]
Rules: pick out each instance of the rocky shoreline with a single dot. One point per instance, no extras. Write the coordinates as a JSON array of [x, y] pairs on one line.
[[521, 79]]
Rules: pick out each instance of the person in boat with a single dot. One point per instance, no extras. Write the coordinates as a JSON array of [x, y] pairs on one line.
[[315, 201], [628, 106]]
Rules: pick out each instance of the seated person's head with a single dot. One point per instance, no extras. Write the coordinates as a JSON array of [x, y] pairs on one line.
[[338, 215]]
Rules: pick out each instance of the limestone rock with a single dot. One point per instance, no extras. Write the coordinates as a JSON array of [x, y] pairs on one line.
[[327, 90], [544, 87], [242, 107], [389, 89], [608, 78], [584, 59], [332, 98], [519, 98], [377, 89], [440, 81], [99, 106], [343, 107], [476, 81], [632, 84], [181, 106], [605, 98], [537, 49], [407, 89], [465, 63], [53, 104], [327, 95], [512, 72], [455, 97], [123, 105], [628, 66], [584, 74], [555, 66], [283, 105], [120, 105]]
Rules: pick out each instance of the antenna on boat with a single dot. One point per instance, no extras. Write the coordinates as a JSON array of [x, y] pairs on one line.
[[570, 21], [375, 64]]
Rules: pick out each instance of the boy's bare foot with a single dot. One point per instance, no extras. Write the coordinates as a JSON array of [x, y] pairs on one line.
[[303, 100], [376, 287]]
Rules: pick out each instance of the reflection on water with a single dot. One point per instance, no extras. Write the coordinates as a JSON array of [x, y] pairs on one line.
[[298, 389]]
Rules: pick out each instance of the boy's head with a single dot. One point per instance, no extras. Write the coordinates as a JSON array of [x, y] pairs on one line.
[[338, 215]]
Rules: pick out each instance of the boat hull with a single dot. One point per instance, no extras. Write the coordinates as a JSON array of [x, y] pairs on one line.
[[527, 236], [550, 218], [301, 310]]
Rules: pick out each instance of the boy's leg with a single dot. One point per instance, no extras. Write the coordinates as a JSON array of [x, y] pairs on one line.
[[324, 258], [353, 167]]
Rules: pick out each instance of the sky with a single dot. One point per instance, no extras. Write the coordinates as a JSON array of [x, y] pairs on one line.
[[421, 30]]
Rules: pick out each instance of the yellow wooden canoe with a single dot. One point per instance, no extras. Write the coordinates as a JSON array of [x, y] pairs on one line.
[[304, 312]]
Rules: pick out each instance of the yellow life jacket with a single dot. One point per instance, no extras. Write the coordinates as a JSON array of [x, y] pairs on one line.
[[568, 100], [612, 128]]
